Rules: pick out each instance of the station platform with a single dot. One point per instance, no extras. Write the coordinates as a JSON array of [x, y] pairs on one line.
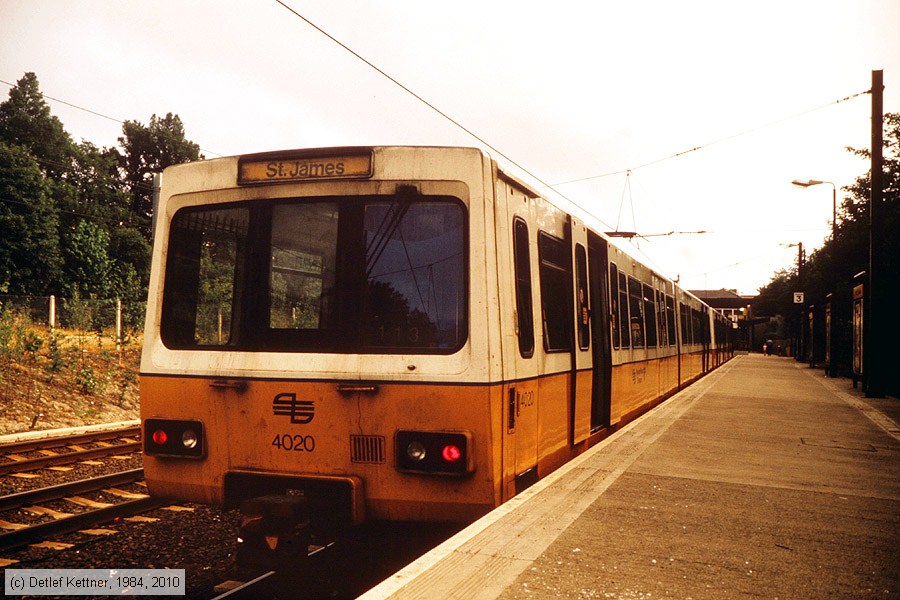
[[764, 479]]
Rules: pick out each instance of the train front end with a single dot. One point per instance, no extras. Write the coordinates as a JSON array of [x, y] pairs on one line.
[[318, 326]]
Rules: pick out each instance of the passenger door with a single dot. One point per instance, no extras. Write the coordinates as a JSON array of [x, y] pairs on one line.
[[517, 264], [598, 261]]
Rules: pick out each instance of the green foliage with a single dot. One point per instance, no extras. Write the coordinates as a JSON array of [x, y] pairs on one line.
[[833, 267], [30, 258], [150, 149], [25, 120], [14, 344], [31, 343], [92, 202], [130, 253], [7, 329], [56, 361], [87, 380], [87, 261]]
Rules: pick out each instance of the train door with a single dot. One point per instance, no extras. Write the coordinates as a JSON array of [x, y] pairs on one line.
[[517, 275], [598, 267], [582, 382]]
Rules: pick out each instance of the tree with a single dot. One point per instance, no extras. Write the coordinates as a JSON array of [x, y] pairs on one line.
[[87, 262], [130, 253], [30, 258], [847, 253], [25, 121], [99, 190], [93, 202], [855, 208], [150, 149]]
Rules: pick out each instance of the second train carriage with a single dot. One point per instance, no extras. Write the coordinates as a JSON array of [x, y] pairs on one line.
[[401, 333]]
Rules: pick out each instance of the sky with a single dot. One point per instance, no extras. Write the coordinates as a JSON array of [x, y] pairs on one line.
[[650, 116]]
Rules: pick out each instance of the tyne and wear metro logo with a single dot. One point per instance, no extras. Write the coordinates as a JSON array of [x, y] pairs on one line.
[[301, 412]]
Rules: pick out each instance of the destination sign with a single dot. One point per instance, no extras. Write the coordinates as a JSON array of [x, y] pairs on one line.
[[273, 170]]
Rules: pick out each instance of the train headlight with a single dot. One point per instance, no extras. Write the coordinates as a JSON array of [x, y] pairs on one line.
[[175, 438], [189, 439], [416, 451], [435, 452]]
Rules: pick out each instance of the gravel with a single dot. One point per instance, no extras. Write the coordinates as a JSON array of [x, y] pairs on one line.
[[202, 540]]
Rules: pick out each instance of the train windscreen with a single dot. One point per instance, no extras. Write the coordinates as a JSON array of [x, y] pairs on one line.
[[385, 274]]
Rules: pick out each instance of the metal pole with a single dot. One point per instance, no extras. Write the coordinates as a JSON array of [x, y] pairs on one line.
[[119, 325], [800, 350], [874, 349], [831, 367]]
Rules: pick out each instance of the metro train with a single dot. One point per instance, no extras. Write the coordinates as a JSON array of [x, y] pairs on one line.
[[393, 333]]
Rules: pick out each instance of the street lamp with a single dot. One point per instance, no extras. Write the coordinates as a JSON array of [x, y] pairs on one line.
[[831, 369], [812, 182]]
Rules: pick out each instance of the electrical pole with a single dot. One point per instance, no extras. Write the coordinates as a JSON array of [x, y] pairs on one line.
[[800, 273], [874, 323]]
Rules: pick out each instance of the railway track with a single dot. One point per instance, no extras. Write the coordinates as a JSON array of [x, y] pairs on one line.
[[268, 584], [48, 448], [97, 512], [68, 525]]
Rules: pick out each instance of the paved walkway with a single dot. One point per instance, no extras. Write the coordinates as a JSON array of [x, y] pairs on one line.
[[765, 479]]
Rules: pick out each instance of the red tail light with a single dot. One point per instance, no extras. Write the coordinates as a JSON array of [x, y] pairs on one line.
[[451, 453], [435, 452], [170, 437]]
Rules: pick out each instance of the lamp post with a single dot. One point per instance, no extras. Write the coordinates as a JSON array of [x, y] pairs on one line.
[[799, 296], [831, 367]]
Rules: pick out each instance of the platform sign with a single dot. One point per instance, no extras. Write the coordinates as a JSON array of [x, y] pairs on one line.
[[798, 297]]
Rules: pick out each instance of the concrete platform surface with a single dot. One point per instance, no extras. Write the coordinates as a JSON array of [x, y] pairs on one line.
[[763, 480]]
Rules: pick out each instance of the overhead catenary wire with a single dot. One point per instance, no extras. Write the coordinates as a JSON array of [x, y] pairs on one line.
[[524, 169], [144, 185], [83, 215], [714, 142], [435, 108], [93, 112], [494, 149]]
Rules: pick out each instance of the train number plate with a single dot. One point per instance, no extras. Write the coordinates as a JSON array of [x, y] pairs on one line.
[[294, 442]]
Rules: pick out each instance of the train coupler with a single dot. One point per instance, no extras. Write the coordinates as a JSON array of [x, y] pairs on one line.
[[275, 533]]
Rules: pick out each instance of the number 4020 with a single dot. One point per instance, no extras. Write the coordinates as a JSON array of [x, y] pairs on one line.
[[295, 442]]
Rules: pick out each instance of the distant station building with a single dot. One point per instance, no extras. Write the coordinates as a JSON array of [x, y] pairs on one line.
[[737, 308]]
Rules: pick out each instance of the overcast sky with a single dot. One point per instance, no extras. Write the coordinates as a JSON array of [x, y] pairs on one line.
[[572, 91]]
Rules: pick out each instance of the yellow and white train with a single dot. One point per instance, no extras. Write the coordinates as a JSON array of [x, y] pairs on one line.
[[395, 333]]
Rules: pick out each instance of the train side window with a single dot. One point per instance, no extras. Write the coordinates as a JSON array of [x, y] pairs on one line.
[[650, 315], [670, 319], [697, 326], [524, 304], [555, 285], [624, 327], [703, 326], [583, 301], [685, 325], [661, 319], [614, 305], [636, 313]]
